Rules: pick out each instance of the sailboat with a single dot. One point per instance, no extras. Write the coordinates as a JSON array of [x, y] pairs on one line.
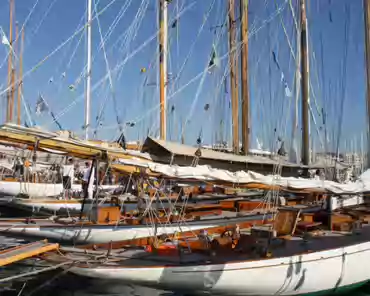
[[55, 143], [294, 250], [288, 264], [109, 225], [297, 254], [112, 226]]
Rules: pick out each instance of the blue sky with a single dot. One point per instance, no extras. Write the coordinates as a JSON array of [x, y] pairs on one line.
[[54, 21]]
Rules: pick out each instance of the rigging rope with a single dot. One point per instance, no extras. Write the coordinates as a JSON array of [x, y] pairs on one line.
[[200, 75], [120, 65]]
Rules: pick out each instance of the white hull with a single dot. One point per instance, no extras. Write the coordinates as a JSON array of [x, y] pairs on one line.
[[40, 190], [43, 206], [50, 205], [294, 275], [36, 190], [97, 234]]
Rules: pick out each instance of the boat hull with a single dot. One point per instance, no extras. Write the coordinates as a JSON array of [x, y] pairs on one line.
[[50, 205], [40, 190], [44, 205], [310, 273], [36, 190], [97, 234]]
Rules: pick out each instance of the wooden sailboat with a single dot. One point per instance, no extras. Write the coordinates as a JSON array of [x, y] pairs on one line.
[[118, 229], [289, 264], [135, 167], [41, 141], [142, 168], [320, 194], [289, 257]]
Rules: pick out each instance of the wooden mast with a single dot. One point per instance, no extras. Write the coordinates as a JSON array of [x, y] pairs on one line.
[[10, 62], [244, 75], [162, 17], [14, 72], [233, 77], [12, 93], [305, 87], [367, 54], [20, 78]]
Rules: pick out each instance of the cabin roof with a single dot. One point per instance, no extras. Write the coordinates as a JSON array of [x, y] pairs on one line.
[[161, 148]]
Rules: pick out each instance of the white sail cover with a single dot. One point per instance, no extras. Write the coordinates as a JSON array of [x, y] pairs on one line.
[[206, 173]]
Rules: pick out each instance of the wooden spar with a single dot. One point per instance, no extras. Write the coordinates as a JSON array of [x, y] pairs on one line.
[[305, 87], [10, 62], [14, 49], [25, 251], [71, 149], [20, 79], [244, 75], [28, 137], [162, 16], [367, 54], [11, 111], [233, 77]]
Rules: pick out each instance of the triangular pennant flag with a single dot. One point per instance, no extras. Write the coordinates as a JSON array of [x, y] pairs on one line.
[[214, 61], [5, 40]]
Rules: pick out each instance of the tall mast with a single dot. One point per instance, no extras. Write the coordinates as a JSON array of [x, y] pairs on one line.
[[367, 54], [162, 16], [14, 72], [305, 87], [20, 78], [10, 62], [244, 75], [233, 77], [88, 70]]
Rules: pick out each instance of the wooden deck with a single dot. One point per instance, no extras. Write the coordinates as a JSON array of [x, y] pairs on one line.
[[21, 252]]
